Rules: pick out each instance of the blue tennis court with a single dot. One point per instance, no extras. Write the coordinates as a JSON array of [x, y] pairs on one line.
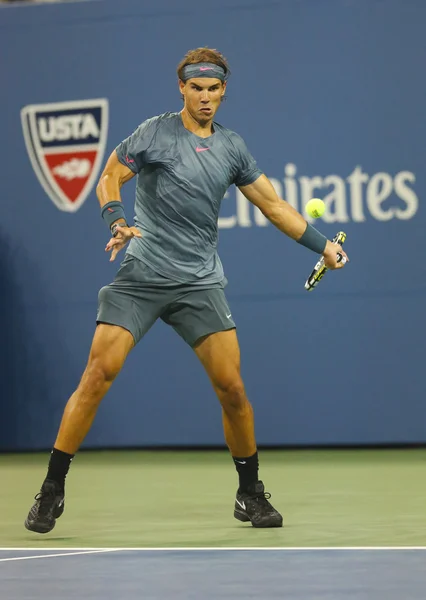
[[209, 574]]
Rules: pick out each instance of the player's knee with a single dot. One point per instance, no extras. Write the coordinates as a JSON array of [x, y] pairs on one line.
[[233, 396], [99, 373]]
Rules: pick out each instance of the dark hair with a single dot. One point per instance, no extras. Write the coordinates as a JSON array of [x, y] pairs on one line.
[[203, 55]]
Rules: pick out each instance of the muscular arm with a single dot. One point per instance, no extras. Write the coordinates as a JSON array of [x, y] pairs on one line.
[[113, 177], [262, 194], [108, 189]]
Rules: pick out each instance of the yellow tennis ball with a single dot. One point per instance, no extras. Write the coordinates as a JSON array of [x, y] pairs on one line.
[[315, 208]]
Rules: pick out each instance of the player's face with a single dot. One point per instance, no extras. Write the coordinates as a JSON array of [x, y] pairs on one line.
[[202, 97]]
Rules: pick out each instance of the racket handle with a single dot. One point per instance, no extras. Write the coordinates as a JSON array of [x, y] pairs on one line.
[[320, 269]]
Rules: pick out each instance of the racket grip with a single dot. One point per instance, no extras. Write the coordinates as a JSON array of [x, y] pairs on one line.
[[320, 269]]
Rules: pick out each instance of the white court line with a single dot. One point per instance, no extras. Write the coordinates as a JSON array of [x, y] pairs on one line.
[[55, 555], [69, 551]]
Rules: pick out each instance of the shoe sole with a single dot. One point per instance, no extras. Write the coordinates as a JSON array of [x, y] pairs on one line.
[[243, 516], [38, 527], [42, 528]]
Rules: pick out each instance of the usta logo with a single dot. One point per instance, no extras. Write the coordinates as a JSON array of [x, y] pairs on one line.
[[66, 143], [73, 168], [70, 127]]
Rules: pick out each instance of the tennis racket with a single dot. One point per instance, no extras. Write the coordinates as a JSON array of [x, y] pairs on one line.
[[320, 269]]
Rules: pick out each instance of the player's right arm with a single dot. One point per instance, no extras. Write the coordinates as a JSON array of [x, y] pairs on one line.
[[114, 176], [130, 156]]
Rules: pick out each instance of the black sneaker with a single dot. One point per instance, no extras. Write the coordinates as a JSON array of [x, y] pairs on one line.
[[48, 506], [253, 506]]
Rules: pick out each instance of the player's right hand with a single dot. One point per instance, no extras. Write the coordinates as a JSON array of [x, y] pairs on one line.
[[124, 235]]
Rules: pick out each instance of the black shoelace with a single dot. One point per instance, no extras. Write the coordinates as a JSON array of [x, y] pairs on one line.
[[45, 498], [261, 497]]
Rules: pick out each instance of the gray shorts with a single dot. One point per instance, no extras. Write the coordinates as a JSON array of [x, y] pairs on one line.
[[138, 297]]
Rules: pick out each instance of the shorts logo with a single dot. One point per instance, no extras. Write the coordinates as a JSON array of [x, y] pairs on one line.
[[66, 143]]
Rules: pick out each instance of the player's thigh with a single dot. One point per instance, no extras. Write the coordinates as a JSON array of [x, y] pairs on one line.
[[110, 346], [198, 313], [219, 353], [130, 302]]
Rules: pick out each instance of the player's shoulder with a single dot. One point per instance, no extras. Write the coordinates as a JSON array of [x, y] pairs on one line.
[[158, 121], [232, 137], [166, 117]]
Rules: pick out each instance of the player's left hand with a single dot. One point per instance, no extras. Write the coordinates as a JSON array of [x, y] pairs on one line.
[[124, 235], [331, 255]]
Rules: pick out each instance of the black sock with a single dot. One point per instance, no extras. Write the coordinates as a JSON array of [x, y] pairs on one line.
[[59, 465], [248, 469]]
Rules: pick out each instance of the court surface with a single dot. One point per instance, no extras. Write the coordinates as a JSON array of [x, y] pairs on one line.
[[160, 525], [213, 573]]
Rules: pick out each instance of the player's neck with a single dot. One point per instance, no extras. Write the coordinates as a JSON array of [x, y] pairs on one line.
[[204, 129]]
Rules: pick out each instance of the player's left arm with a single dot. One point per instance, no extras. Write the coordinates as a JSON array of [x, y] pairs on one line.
[[280, 213]]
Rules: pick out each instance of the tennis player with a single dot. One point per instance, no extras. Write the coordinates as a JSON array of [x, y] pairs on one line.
[[184, 163]]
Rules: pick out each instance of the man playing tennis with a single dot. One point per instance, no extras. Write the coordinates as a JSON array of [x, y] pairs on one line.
[[184, 164]]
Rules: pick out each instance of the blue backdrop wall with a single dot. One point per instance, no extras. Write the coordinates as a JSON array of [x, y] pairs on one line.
[[329, 96]]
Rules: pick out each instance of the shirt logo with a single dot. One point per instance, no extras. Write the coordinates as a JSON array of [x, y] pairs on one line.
[[66, 142], [198, 149]]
